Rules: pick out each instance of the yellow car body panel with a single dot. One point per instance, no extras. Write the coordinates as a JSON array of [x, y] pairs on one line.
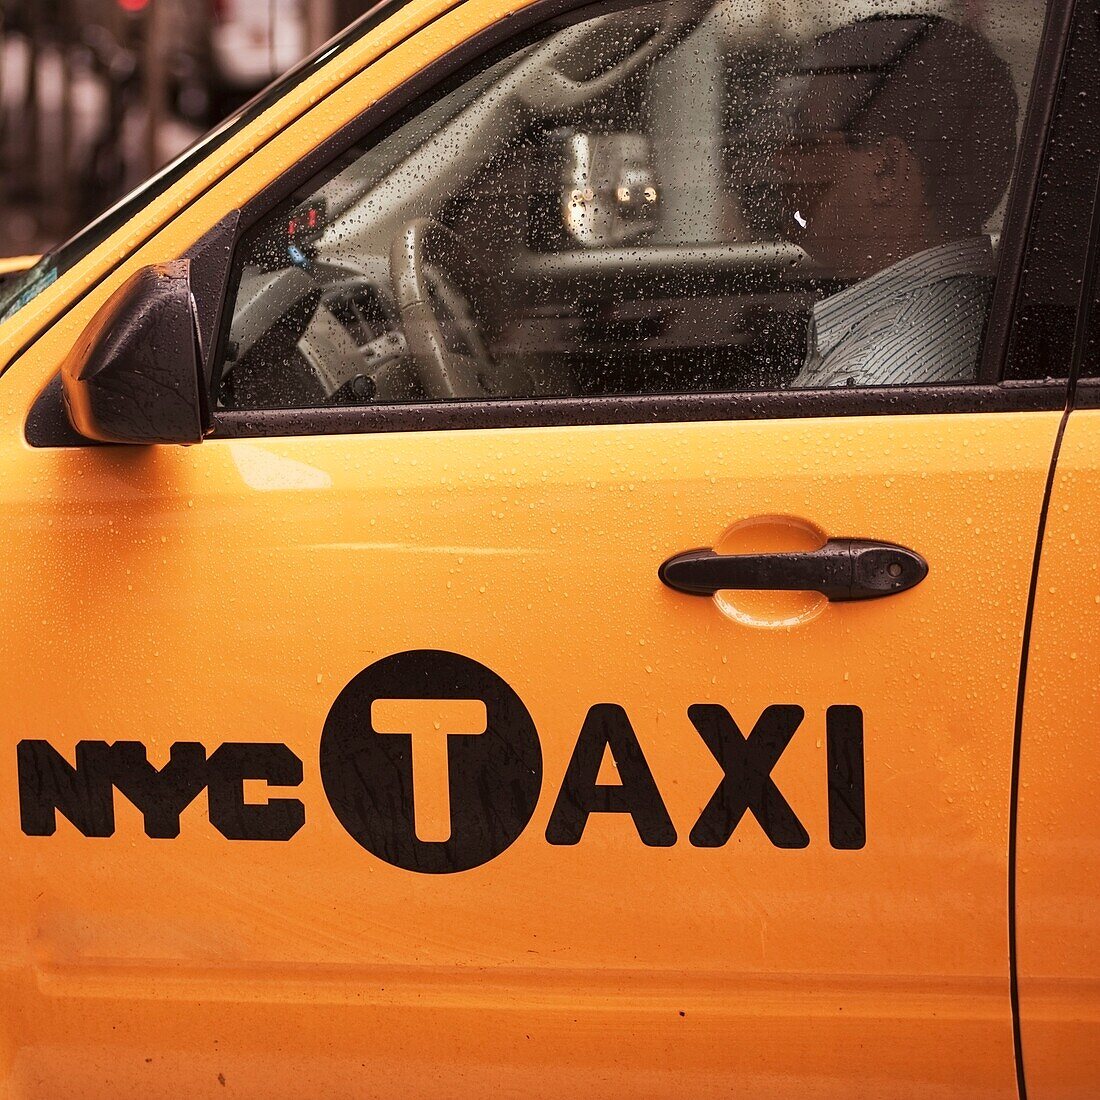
[[228, 593]]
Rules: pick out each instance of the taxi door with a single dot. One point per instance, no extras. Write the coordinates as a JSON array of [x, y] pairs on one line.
[[368, 752]]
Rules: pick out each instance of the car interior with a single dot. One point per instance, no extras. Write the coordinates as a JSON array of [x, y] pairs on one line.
[[590, 211]]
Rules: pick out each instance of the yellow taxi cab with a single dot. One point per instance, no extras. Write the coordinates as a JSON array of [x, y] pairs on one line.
[[552, 555]]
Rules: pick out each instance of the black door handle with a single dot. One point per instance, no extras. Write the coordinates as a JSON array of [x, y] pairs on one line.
[[843, 569]]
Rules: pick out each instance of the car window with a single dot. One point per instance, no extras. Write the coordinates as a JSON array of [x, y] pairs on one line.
[[674, 198]]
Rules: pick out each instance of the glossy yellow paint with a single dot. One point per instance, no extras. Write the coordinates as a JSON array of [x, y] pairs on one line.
[[229, 592], [1059, 830]]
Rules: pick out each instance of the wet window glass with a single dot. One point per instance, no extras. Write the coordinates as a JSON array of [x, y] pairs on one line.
[[676, 198]]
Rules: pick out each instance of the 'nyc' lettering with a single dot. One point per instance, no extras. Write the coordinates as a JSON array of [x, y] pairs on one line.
[[84, 793]]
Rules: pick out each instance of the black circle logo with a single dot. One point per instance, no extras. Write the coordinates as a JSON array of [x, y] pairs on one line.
[[431, 761]]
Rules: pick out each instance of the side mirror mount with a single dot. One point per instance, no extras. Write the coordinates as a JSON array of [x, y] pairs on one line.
[[135, 375]]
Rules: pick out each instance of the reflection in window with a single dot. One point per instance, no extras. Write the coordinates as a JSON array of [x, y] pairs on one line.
[[678, 197]]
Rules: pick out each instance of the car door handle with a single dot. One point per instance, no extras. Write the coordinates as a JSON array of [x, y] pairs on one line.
[[843, 569]]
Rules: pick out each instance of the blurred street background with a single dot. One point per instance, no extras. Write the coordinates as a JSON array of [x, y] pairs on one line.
[[97, 94]]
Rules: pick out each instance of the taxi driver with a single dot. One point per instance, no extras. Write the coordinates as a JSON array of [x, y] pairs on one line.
[[896, 144]]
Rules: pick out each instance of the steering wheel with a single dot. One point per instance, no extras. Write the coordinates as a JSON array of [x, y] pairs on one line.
[[442, 331], [552, 79]]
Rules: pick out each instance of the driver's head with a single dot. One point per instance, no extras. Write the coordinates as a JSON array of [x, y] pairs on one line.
[[897, 133]]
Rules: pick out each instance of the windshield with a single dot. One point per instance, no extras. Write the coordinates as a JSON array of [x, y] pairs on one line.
[[59, 260]]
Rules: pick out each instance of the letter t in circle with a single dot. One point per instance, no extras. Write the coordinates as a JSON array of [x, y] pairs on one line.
[[428, 723]]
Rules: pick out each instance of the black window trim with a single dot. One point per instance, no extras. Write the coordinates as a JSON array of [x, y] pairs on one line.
[[1085, 385], [1020, 208], [641, 409]]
